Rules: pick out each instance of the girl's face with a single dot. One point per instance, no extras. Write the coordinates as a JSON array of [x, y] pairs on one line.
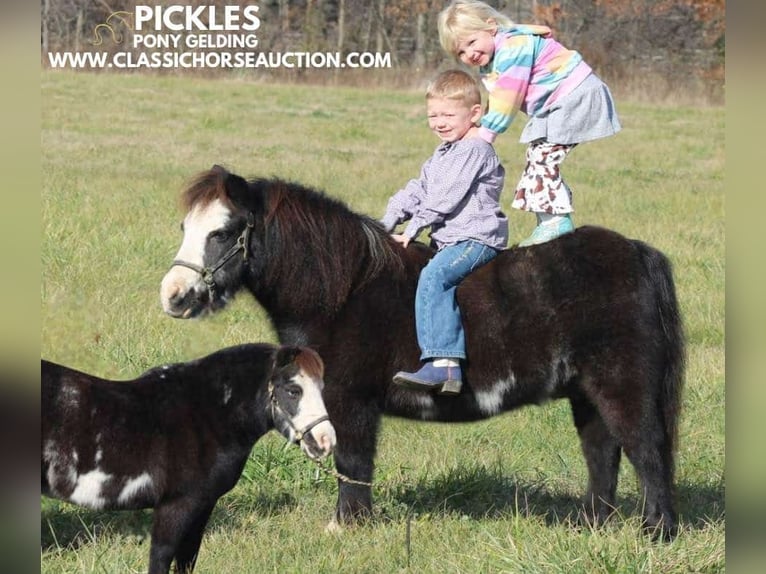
[[477, 48], [450, 119]]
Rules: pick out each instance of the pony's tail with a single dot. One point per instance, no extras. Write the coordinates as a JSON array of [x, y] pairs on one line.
[[660, 274]]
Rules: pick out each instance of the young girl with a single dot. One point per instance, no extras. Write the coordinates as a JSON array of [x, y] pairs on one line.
[[457, 197], [524, 68]]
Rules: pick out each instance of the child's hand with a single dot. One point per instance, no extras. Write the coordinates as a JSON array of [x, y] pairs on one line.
[[403, 240]]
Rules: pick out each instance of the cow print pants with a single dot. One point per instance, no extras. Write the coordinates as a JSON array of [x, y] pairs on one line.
[[541, 188]]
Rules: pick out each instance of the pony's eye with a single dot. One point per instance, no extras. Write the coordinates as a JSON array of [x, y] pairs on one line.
[[219, 235], [294, 391]]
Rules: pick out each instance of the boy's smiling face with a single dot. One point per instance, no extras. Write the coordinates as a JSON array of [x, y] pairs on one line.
[[451, 119]]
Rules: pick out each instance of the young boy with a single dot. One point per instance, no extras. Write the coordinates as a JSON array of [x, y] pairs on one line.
[[457, 196]]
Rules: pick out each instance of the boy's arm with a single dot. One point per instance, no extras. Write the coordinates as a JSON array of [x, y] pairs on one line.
[[512, 71], [405, 202]]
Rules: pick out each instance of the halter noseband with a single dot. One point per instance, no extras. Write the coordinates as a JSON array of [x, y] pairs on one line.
[[208, 273], [276, 408]]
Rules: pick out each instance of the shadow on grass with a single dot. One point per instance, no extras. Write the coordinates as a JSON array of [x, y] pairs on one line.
[[474, 491], [64, 525], [481, 492], [700, 505]]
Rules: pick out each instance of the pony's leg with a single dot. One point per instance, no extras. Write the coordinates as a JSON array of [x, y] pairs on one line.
[[356, 428], [186, 555], [170, 525], [602, 457], [164, 541], [652, 457], [641, 435]]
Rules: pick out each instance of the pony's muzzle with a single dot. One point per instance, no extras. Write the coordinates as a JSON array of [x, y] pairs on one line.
[[320, 441], [179, 299], [179, 304]]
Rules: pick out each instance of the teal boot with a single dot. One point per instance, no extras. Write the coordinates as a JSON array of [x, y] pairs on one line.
[[547, 231]]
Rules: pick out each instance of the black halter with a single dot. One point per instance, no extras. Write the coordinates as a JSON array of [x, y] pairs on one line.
[[208, 273], [276, 408]]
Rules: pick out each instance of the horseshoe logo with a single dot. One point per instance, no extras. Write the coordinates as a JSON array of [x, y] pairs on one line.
[[110, 27]]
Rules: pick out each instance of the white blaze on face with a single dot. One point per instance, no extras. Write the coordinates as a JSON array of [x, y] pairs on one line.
[[198, 224], [310, 408]]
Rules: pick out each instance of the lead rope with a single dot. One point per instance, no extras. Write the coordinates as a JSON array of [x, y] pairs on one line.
[[338, 475]]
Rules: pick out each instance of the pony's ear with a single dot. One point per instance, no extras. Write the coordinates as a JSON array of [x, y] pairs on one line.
[[286, 356], [237, 189]]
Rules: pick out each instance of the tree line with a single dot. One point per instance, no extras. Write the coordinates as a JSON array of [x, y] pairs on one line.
[[679, 40]]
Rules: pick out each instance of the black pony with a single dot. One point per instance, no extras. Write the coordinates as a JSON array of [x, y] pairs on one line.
[[591, 317], [177, 438]]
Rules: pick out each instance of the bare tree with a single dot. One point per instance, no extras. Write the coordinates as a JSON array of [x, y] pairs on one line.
[[45, 40], [341, 23]]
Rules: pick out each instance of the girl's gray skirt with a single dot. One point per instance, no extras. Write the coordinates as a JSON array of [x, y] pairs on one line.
[[587, 113]]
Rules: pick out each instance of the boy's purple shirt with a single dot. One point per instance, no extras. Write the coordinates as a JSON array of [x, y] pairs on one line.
[[457, 195]]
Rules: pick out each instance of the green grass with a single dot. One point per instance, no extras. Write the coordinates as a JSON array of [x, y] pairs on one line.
[[493, 496]]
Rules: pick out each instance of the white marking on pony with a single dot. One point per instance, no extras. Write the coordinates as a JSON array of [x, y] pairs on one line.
[[562, 371], [226, 394], [70, 396], [61, 472], [99, 456], [426, 403], [50, 452], [198, 224], [133, 486], [310, 408], [491, 401], [333, 527], [88, 488]]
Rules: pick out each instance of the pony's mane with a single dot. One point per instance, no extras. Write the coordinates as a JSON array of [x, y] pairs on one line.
[[308, 360], [326, 223]]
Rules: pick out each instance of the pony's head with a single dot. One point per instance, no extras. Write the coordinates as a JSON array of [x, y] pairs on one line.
[[297, 409], [295, 248], [208, 269]]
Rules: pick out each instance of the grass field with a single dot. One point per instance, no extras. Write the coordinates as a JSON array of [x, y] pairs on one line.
[[494, 496]]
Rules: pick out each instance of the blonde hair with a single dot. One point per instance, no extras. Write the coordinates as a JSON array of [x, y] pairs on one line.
[[463, 17], [455, 85]]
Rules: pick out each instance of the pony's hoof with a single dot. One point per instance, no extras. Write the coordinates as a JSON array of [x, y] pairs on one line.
[[333, 527]]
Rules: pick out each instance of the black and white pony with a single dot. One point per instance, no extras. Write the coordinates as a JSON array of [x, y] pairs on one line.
[[176, 438], [591, 317]]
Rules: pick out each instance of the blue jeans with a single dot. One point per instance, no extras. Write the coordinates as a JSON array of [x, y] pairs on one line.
[[437, 316]]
